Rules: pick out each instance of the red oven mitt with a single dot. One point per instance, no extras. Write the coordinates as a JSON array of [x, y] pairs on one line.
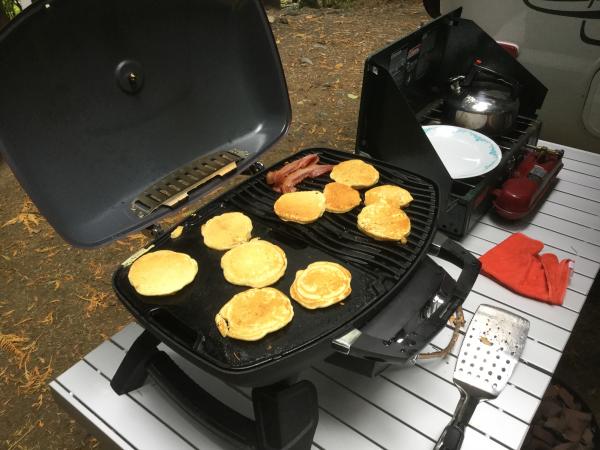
[[517, 264]]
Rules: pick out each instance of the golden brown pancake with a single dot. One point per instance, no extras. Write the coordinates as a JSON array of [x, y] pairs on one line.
[[227, 230], [321, 284], [384, 222], [256, 264], [301, 207], [251, 314], [340, 198], [394, 195], [176, 232], [355, 173], [163, 272]]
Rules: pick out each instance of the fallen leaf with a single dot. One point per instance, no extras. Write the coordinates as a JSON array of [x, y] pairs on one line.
[[353, 96], [48, 320]]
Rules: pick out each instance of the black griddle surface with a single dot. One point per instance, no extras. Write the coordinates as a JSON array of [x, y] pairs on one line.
[[377, 268]]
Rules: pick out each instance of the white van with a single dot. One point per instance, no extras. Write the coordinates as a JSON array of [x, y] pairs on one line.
[[559, 42]]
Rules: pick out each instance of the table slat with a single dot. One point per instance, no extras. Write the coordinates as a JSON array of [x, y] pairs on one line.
[[574, 153], [119, 412], [580, 167], [580, 178], [585, 219], [572, 201]]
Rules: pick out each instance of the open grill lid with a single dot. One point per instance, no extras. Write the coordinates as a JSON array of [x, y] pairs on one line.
[[114, 112]]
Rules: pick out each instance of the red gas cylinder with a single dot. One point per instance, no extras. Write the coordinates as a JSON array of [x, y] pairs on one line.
[[521, 193]]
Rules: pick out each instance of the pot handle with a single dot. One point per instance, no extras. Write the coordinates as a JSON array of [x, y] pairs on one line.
[[508, 81], [361, 344], [286, 415]]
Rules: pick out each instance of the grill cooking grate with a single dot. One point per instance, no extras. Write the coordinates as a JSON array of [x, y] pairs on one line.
[[378, 268]]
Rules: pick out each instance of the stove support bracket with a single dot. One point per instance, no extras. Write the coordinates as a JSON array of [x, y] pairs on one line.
[[286, 414]]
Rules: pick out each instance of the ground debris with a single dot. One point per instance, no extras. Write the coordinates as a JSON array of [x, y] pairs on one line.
[[95, 299], [35, 379], [29, 217], [48, 320], [14, 346]]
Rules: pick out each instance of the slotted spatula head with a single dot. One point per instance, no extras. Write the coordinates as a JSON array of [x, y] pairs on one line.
[[490, 351]]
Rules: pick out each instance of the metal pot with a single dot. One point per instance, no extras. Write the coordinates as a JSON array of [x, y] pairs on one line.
[[483, 101]]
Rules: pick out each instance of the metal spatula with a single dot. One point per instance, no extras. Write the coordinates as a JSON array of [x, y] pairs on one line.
[[488, 355]]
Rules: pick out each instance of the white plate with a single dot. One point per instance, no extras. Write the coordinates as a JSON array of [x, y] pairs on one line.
[[465, 153]]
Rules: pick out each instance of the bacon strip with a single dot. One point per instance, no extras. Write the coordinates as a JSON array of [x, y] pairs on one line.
[[276, 177], [312, 171]]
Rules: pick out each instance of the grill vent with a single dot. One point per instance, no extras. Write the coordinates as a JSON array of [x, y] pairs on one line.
[[175, 187]]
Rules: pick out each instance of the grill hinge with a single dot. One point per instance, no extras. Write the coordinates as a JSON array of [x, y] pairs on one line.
[[344, 343], [175, 187], [129, 261]]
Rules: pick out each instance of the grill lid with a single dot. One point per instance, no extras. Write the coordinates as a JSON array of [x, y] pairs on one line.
[[115, 112]]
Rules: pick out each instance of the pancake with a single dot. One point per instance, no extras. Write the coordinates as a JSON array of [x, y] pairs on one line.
[[256, 264], [394, 195], [384, 222], [340, 198], [176, 232], [321, 284], [163, 272], [226, 231], [251, 314], [300, 207], [355, 173]]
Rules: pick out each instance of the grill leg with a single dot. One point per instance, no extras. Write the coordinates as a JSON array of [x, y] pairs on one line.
[[133, 370], [286, 413], [286, 416]]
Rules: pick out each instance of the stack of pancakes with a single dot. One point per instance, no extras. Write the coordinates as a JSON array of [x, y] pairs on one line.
[[382, 218], [321, 284], [251, 314]]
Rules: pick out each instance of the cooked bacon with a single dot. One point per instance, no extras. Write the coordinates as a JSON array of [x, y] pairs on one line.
[[312, 171], [276, 177]]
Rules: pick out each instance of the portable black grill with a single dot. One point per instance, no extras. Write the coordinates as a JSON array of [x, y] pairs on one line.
[[116, 114], [404, 86]]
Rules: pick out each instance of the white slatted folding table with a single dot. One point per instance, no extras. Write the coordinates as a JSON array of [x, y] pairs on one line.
[[402, 408]]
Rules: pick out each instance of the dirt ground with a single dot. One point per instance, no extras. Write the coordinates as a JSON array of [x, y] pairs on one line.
[[56, 301]]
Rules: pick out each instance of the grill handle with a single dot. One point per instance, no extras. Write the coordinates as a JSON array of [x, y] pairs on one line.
[[292, 408], [453, 252], [399, 350]]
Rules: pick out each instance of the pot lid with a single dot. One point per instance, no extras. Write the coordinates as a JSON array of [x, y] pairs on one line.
[[114, 112]]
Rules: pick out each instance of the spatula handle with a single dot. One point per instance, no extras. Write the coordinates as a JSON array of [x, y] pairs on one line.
[[453, 434]]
